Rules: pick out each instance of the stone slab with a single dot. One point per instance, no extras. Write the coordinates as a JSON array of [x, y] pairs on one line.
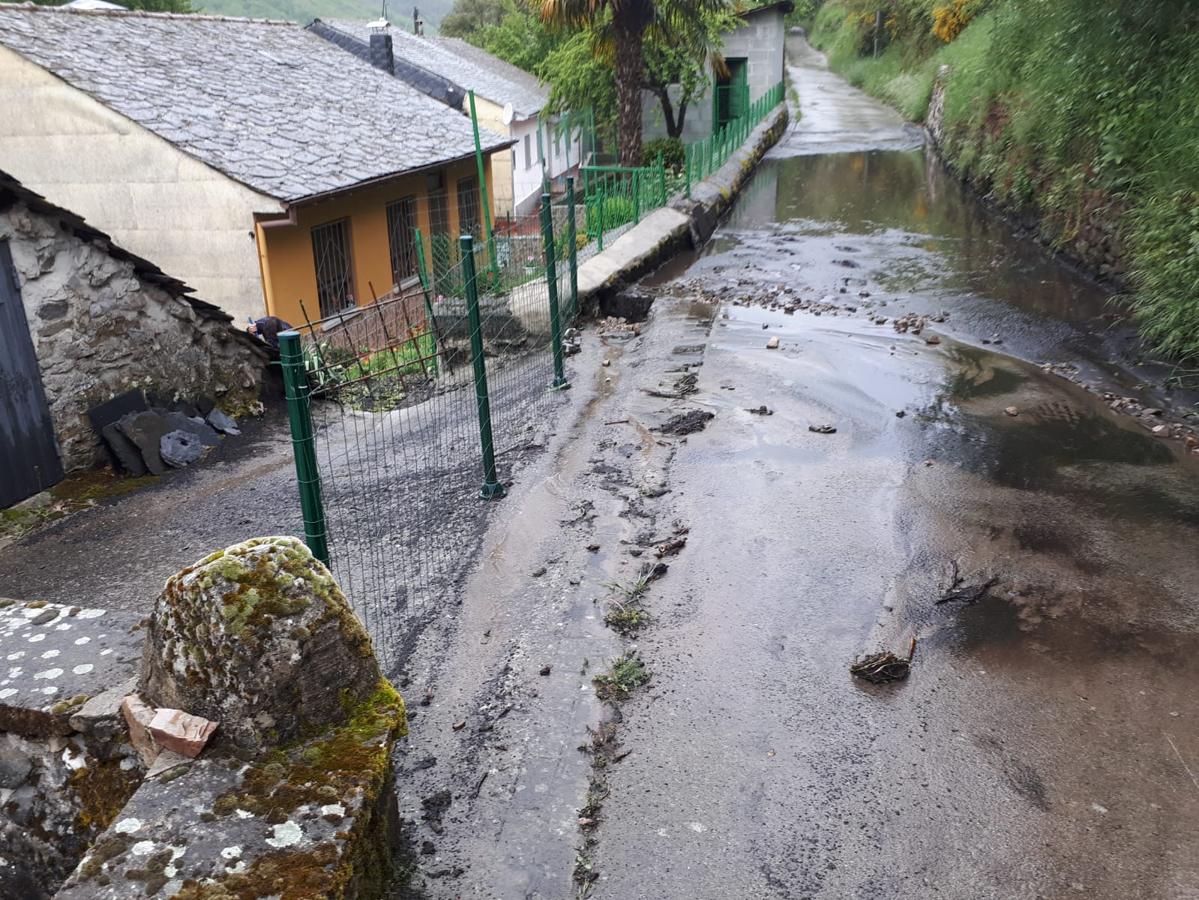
[[180, 448], [125, 453], [179, 421], [54, 657], [313, 821], [146, 429]]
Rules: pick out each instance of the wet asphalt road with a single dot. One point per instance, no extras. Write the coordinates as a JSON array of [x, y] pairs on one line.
[[1046, 743]]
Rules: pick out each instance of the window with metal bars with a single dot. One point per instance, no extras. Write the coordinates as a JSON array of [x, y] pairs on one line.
[[334, 271], [468, 207], [401, 222]]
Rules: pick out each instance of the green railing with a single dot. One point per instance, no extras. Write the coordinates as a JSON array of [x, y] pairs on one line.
[[617, 196]]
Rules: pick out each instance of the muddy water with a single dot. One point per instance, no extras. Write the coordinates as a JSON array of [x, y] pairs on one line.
[[1047, 741]]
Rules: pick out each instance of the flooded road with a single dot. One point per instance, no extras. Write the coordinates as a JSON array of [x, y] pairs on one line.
[[1046, 743]]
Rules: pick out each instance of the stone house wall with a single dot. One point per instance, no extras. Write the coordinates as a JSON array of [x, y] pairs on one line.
[[101, 326]]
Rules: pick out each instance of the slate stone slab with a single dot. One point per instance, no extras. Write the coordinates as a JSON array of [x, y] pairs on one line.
[[145, 430], [223, 423], [53, 657], [193, 425], [180, 448], [104, 418], [126, 456]]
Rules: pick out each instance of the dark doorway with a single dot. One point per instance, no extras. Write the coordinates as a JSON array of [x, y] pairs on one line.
[[28, 451], [731, 99]]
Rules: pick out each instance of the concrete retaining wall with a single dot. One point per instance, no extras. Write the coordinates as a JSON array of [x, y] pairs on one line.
[[686, 223]]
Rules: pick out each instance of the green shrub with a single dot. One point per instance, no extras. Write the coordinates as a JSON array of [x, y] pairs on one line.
[[669, 149]]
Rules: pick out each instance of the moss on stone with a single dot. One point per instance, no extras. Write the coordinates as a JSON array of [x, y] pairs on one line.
[[62, 707], [102, 790], [354, 757]]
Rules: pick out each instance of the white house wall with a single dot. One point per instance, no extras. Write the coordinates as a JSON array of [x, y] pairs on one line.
[[760, 41], [526, 172], [193, 222], [559, 158]]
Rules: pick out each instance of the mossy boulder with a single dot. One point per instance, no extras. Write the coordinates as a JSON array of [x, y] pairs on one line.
[[259, 638]]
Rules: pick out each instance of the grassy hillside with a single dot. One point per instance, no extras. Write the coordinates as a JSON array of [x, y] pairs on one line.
[[1081, 113], [304, 11]]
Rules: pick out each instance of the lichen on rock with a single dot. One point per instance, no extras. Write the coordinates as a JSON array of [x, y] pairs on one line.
[[259, 638]]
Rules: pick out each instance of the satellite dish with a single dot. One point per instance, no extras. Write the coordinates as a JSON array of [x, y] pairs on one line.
[[508, 114]]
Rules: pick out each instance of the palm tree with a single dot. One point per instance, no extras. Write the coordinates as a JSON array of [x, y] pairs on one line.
[[621, 26]]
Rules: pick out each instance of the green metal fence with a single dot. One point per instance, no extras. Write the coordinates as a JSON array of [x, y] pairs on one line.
[[406, 411], [409, 409], [616, 197]]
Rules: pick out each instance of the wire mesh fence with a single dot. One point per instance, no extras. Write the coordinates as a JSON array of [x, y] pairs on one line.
[[409, 409]]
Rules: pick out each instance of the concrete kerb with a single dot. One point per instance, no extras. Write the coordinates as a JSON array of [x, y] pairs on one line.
[[683, 224]]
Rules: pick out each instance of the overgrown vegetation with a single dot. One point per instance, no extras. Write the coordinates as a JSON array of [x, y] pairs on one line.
[[628, 672], [1081, 112]]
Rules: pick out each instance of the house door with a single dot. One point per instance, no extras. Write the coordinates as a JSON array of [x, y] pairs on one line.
[[28, 451], [731, 98]]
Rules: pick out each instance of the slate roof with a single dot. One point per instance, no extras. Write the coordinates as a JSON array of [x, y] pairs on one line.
[[439, 88], [269, 104], [444, 56]]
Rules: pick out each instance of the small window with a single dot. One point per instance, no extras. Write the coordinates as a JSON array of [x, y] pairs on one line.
[[468, 207], [528, 153], [334, 271], [401, 223]]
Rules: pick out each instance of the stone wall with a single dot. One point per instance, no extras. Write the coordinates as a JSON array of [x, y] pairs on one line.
[[101, 327]]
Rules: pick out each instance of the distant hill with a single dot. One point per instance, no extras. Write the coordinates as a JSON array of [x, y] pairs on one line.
[[304, 11]]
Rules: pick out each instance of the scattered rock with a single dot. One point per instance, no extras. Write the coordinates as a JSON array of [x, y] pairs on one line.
[[545, 670], [223, 423], [538, 572], [459, 725], [822, 429], [138, 716], [185, 734], [773, 343], [761, 411], [1012, 411], [687, 423]]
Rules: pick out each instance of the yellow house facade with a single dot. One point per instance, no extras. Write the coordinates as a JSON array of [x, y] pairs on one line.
[[376, 226]]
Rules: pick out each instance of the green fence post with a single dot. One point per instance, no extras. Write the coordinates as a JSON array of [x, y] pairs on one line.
[[662, 178], [492, 489], [308, 476], [636, 196], [574, 245], [474, 122], [599, 218], [687, 169], [551, 281]]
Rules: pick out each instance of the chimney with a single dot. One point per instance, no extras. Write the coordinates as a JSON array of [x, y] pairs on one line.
[[381, 53]]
